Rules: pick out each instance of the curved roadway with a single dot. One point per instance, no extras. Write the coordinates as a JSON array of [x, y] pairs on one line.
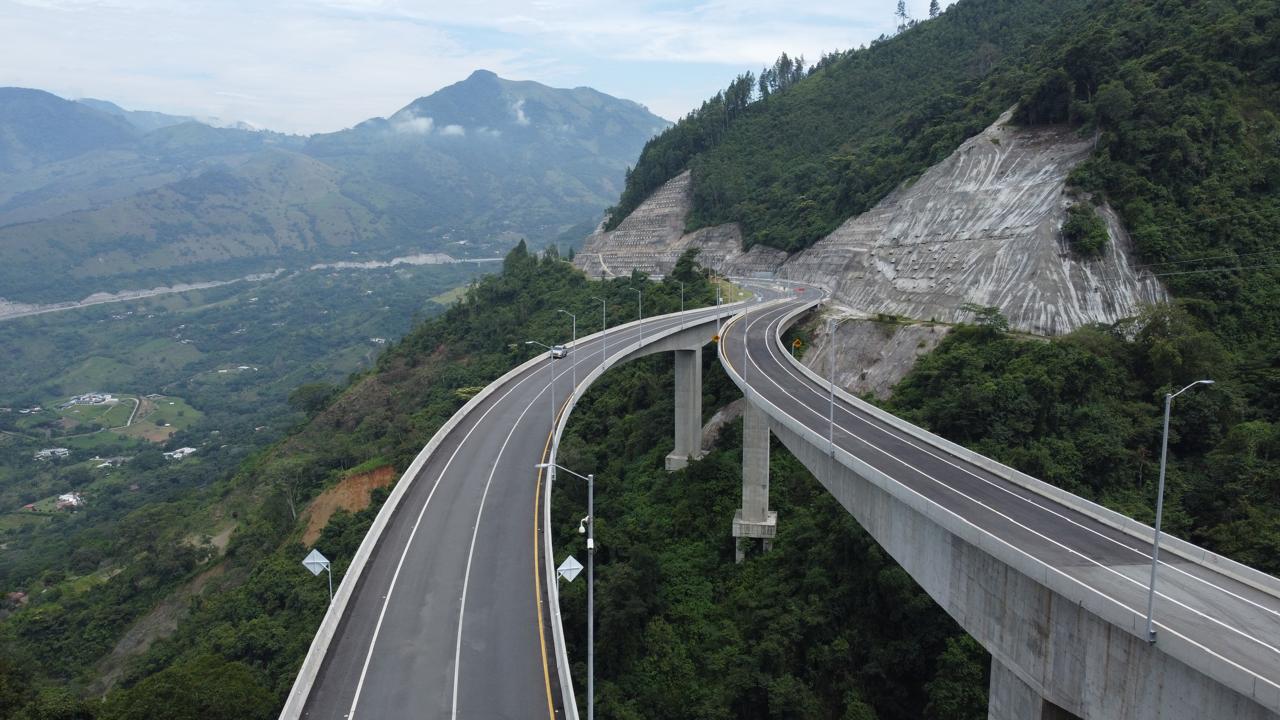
[[447, 618], [1234, 622]]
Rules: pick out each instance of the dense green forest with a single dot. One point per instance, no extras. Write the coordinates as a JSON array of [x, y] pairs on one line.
[[1184, 99], [823, 626], [791, 164], [1084, 412], [1183, 93], [151, 526], [252, 628]]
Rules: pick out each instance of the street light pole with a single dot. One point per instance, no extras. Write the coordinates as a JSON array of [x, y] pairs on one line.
[[552, 365], [681, 304], [591, 596], [832, 326], [604, 329], [640, 311], [591, 583], [719, 301], [1155, 549], [573, 361]]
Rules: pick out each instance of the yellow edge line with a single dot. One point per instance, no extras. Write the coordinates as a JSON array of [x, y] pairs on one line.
[[537, 571]]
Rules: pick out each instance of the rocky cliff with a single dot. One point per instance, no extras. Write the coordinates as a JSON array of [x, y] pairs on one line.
[[984, 226]]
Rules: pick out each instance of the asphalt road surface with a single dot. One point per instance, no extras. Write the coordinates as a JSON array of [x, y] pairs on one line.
[[1235, 622], [447, 620]]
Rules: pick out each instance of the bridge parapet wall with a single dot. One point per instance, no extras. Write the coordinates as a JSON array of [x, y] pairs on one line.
[[1069, 644]]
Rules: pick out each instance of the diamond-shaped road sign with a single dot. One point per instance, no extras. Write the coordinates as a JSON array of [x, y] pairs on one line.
[[315, 562], [569, 569]]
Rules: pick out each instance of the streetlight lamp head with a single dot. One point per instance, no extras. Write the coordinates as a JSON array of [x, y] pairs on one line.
[[543, 466], [1206, 382]]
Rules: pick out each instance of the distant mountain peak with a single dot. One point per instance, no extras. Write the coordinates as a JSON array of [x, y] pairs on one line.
[[488, 106]]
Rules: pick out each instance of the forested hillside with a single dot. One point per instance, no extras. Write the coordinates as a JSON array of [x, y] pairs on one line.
[[823, 626], [1185, 99], [791, 160], [235, 656], [95, 199], [1084, 412]]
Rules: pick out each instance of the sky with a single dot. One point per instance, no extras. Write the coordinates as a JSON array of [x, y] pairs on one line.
[[307, 66]]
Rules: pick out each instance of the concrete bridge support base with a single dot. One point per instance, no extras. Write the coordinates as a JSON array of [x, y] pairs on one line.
[[755, 519], [1012, 699], [688, 409]]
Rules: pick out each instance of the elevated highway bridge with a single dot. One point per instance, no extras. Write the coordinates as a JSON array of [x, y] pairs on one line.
[[450, 610]]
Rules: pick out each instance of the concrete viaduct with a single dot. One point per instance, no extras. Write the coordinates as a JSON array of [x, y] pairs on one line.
[[1052, 585]]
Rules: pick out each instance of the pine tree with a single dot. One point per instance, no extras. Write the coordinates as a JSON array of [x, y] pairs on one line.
[[934, 9], [901, 14]]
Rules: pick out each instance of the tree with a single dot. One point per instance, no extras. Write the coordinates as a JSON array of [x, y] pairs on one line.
[[1085, 231], [901, 15], [959, 688], [312, 398], [934, 9], [56, 704], [207, 687], [988, 317]]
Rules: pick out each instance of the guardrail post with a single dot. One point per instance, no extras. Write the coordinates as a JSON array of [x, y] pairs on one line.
[[688, 409], [755, 519]]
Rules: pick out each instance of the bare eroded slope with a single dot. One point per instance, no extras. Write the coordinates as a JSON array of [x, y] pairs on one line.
[[984, 226]]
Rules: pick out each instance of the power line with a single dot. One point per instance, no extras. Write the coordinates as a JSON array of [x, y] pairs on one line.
[[1221, 269], [1205, 259]]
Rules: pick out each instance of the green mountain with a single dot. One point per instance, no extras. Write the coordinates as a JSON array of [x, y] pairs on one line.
[[1183, 98], [143, 120], [513, 158], [90, 202], [37, 128]]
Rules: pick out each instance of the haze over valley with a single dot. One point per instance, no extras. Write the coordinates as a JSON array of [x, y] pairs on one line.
[[94, 199], [922, 364]]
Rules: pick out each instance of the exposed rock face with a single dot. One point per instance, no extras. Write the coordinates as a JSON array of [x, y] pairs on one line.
[[652, 238], [871, 356], [984, 226]]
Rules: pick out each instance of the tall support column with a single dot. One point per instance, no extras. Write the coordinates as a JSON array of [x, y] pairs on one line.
[[688, 409], [1012, 699], [755, 519]]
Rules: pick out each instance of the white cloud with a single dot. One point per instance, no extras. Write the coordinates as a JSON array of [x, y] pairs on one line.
[[453, 131], [413, 125], [518, 110], [319, 65]]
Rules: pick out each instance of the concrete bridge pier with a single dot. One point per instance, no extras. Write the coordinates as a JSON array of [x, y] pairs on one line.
[[755, 519], [1012, 699], [688, 408]]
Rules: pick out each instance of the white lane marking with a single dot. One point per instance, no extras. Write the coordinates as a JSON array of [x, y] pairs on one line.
[[1051, 568], [1243, 633], [979, 503], [475, 532], [409, 543], [858, 416], [625, 336]]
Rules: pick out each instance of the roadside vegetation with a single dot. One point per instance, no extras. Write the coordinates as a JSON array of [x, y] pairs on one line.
[[790, 161], [823, 626], [250, 627], [76, 581]]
